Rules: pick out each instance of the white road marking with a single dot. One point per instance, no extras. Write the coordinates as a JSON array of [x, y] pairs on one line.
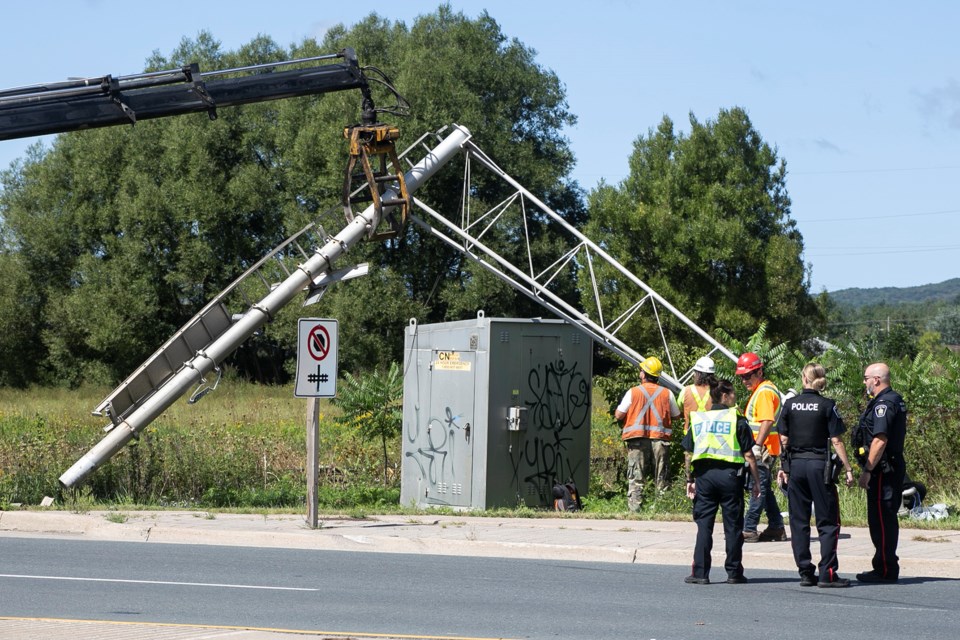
[[181, 584], [883, 605]]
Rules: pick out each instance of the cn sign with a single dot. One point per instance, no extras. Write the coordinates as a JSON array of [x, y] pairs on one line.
[[316, 358]]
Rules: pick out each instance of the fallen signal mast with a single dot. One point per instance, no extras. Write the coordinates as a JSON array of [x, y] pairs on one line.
[[202, 345], [209, 358], [580, 256]]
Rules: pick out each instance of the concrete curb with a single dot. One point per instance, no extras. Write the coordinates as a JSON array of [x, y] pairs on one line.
[[923, 553]]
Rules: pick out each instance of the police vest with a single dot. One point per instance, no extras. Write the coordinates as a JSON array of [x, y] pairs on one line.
[[715, 436], [806, 419], [773, 438], [649, 413]]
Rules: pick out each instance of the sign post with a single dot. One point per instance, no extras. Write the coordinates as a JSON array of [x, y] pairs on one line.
[[317, 345], [313, 459]]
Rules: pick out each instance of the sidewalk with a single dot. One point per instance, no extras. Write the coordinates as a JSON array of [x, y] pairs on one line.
[[926, 553], [930, 553]]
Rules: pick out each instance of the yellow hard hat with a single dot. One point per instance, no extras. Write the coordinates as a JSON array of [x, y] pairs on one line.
[[652, 366]]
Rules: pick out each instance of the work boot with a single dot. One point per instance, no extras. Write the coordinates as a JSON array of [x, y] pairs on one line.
[[751, 536], [808, 580], [696, 580], [773, 534], [738, 579]]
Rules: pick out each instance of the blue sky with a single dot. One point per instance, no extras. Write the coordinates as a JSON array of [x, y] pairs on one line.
[[862, 99]]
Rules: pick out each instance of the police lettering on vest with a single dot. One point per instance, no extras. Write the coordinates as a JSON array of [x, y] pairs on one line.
[[809, 421], [715, 435]]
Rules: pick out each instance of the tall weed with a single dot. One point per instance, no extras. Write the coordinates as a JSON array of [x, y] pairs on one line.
[[244, 447]]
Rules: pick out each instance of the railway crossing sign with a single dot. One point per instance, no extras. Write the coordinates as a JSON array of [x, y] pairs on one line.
[[316, 358]]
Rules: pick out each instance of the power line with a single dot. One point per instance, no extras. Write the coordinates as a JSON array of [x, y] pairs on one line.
[[841, 171], [872, 252], [885, 217], [880, 322]]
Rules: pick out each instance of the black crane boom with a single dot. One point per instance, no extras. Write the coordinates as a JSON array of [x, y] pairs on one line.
[[107, 100]]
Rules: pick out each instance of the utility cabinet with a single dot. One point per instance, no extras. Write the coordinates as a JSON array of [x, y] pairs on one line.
[[494, 411]]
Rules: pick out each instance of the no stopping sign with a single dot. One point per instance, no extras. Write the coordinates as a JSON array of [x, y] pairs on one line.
[[316, 358]]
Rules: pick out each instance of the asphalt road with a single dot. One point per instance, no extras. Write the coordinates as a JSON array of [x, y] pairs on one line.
[[397, 595]]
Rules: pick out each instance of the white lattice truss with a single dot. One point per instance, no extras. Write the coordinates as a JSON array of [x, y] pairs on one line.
[[580, 255], [252, 300]]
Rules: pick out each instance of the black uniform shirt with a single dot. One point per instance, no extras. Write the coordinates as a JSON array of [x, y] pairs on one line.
[[744, 439], [886, 413], [809, 420]]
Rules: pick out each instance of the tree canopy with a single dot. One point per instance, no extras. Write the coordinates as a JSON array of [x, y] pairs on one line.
[[704, 218], [114, 237]]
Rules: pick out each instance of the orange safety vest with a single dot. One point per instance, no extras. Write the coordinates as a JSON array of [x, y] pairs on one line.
[[773, 438], [649, 413]]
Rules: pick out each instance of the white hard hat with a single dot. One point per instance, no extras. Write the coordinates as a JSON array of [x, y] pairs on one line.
[[704, 365]]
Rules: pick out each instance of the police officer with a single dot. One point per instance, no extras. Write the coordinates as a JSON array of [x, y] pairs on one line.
[[808, 424], [878, 447], [717, 444]]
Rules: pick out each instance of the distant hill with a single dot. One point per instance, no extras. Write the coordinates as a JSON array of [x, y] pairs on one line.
[[856, 297]]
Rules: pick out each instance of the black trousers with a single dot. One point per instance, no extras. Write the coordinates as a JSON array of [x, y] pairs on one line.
[[719, 488], [884, 497], [805, 489]]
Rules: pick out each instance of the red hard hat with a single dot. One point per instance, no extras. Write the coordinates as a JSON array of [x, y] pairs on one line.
[[748, 362]]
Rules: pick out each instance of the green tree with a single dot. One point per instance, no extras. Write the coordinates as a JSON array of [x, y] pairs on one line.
[[781, 364], [947, 324], [453, 69], [126, 231], [373, 402], [928, 384], [899, 341], [19, 310], [123, 233], [705, 220]]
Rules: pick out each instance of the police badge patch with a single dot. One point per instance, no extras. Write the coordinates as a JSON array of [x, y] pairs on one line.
[[881, 410]]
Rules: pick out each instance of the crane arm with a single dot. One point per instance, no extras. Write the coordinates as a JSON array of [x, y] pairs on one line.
[[107, 100]]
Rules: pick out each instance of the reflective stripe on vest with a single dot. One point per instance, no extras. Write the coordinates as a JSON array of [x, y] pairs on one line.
[[715, 435], [636, 427], [701, 402], [773, 438]]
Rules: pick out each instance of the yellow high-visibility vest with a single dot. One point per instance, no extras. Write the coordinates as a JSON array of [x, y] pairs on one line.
[[715, 435]]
